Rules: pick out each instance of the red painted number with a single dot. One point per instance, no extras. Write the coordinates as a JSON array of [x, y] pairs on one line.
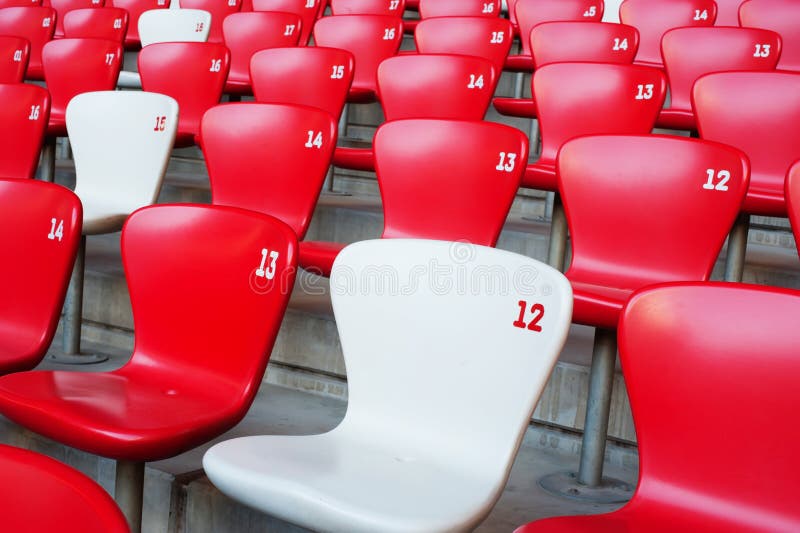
[[537, 311], [161, 123]]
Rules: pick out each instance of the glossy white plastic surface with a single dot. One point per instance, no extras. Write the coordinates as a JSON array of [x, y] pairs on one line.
[[174, 25]]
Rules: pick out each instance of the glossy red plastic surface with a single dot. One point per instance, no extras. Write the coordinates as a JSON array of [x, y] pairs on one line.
[[19, 3], [24, 115], [440, 179], [192, 73], [367, 7], [489, 38], [62, 7], [36, 274], [247, 33], [75, 66], [727, 12], [39, 494], [205, 323], [639, 214], [301, 8], [730, 349], [14, 52], [759, 113], [313, 76], [782, 16], [219, 9], [459, 8], [653, 18], [689, 53], [576, 99], [108, 23], [36, 24], [135, 8], [792, 187], [370, 38], [270, 158]]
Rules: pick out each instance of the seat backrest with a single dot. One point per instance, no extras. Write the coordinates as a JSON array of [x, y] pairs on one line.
[[653, 18], [792, 189], [529, 13], [74, 66], [758, 113], [135, 9], [219, 9], [370, 38], [247, 33], [689, 53], [489, 38], [459, 8], [63, 7], [246, 264], [592, 42], [270, 158], [192, 73], [14, 52], [40, 228], [624, 218], [108, 23], [121, 142], [174, 25], [576, 99], [436, 86], [782, 16], [307, 10], [36, 24], [312, 76], [689, 345], [727, 12], [393, 8], [486, 325], [448, 179], [19, 3], [24, 116]]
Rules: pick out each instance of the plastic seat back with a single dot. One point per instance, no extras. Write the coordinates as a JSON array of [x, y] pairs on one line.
[[63, 7], [307, 10], [392, 8], [782, 16], [225, 332], [24, 116], [14, 52], [576, 99], [627, 197], [792, 189], [174, 25], [219, 9], [20, 3], [529, 13], [270, 158], [448, 179], [389, 333], [591, 42], [121, 142], [40, 228], [759, 113], [109, 23], [436, 86], [75, 66], [370, 38], [489, 38], [312, 76], [36, 24], [727, 12], [135, 9], [687, 345], [653, 18], [459, 8]]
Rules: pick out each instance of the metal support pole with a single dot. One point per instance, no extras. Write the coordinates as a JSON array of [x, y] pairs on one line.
[[48, 163], [129, 492], [598, 408], [557, 248], [533, 135], [343, 121], [519, 84], [737, 248]]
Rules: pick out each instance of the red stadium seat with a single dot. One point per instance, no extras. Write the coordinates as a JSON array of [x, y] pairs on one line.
[[440, 179], [36, 24], [108, 23], [63, 7], [307, 10], [311, 76], [459, 8], [196, 366], [135, 8], [782, 16], [689, 345], [24, 115], [14, 52], [653, 18], [219, 9], [40, 494], [247, 33], [792, 188], [367, 7], [270, 158], [690, 53], [192, 73], [569, 41], [40, 228], [727, 12], [19, 3]]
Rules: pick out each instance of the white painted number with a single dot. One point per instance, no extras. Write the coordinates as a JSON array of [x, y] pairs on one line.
[[488, 8], [34, 112], [216, 65], [645, 92], [507, 162], [46, 23], [338, 72], [232, 3], [762, 50], [723, 176], [56, 231], [289, 29], [497, 37], [591, 12], [309, 4], [162, 2], [700, 15], [620, 44], [393, 5], [117, 24], [17, 56], [388, 34], [109, 59], [475, 81], [314, 140], [264, 271]]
